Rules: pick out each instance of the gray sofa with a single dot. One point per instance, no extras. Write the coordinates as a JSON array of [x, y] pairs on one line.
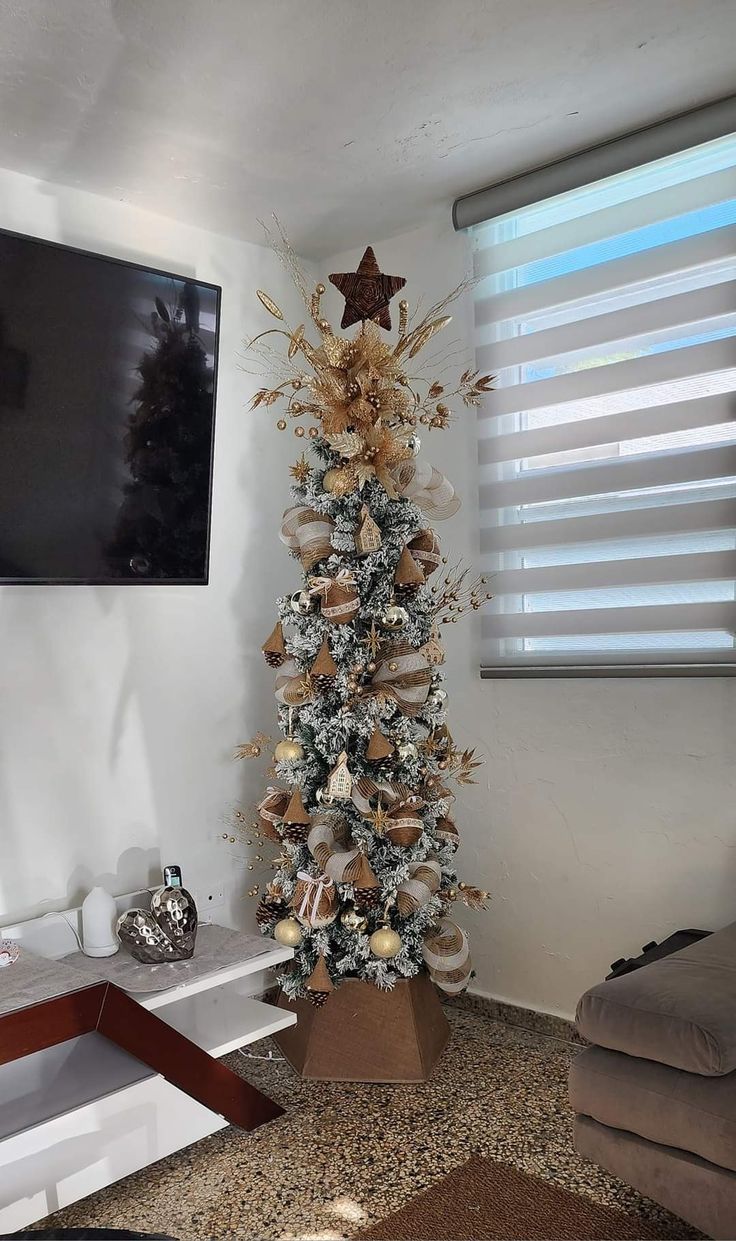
[[655, 1094]]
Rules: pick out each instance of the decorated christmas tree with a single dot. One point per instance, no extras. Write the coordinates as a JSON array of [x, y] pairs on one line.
[[161, 529], [360, 810]]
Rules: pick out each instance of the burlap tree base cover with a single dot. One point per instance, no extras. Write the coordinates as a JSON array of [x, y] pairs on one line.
[[363, 1034]]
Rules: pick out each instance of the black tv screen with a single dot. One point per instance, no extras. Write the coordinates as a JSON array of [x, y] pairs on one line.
[[107, 404]]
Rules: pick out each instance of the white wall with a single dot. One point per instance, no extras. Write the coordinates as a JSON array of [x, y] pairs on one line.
[[119, 706], [605, 813], [605, 816]]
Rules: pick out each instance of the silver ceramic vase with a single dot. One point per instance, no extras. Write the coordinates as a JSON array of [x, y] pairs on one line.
[[167, 933]]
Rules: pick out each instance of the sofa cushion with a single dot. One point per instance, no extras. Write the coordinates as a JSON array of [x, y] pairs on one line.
[[679, 1011], [690, 1187], [685, 1110]]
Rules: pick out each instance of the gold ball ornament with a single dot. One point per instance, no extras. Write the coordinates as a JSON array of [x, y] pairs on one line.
[[281, 424], [302, 603], [352, 920], [288, 932], [394, 617], [385, 943], [288, 751], [299, 432], [337, 481]]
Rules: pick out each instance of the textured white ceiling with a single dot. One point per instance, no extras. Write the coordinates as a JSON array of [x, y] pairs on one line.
[[350, 118]]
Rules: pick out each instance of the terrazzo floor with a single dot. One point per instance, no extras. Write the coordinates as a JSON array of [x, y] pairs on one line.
[[345, 1156]]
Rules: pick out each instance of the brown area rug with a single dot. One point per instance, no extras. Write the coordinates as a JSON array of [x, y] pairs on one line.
[[489, 1201]]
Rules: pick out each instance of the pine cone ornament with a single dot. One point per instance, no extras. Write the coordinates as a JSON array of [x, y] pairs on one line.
[[270, 909]]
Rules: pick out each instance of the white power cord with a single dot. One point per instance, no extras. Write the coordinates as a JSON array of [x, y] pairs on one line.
[[251, 1055], [54, 913]]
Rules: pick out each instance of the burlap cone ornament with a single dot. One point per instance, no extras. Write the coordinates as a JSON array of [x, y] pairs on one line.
[[408, 576], [338, 596], [379, 746], [308, 534], [315, 900], [274, 648], [296, 820], [319, 983], [366, 888], [447, 956], [403, 672], [424, 880], [324, 669]]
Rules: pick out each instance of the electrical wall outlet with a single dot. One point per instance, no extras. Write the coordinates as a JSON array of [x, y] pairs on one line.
[[209, 902]]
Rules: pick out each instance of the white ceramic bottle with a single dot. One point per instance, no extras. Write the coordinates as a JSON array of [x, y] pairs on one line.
[[99, 918]]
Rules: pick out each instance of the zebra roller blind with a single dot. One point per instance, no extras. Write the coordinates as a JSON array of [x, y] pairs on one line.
[[608, 449]]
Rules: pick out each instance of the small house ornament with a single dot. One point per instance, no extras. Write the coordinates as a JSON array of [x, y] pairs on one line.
[[368, 535], [340, 781], [433, 650]]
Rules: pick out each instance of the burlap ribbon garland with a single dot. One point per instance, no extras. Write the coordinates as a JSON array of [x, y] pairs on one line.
[[341, 865], [309, 533], [447, 956], [291, 685], [428, 488], [389, 790], [423, 881], [403, 673]]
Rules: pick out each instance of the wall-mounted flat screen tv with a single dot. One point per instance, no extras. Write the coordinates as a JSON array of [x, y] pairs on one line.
[[107, 406]]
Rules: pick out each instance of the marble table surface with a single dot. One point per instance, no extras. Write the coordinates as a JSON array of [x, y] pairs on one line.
[[217, 948], [33, 978]]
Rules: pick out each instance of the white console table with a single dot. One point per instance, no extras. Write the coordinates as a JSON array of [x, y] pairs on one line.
[[80, 1115]]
